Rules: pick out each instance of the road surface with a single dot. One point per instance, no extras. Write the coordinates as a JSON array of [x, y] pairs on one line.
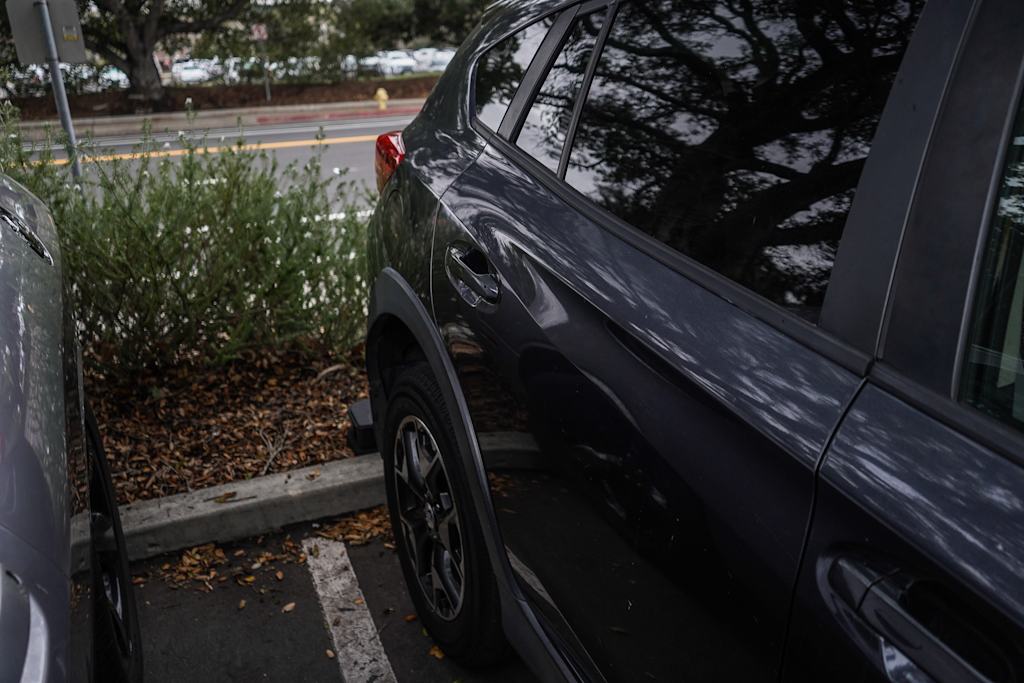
[[345, 145]]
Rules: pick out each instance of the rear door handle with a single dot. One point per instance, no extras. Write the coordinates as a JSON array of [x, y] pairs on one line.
[[884, 613], [876, 593], [471, 273]]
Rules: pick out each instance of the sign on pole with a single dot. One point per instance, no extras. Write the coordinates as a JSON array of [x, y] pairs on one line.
[[51, 33], [29, 40], [259, 35]]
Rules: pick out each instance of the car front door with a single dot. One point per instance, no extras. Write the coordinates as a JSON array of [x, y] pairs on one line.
[[633, 316], [914, 567]]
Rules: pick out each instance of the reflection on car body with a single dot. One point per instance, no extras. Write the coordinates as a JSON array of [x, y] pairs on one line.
[[658, 266]]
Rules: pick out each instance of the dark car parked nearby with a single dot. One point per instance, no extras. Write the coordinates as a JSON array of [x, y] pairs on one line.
[[695, 341], [66, 607]]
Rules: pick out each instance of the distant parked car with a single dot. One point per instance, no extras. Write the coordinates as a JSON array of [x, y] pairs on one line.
[[440, 60], [371, 64], [67, 608], [696, 336], [110, 77], [191, 72], [236, 69], [349, 64], [295, 67], [424, 56], [395, 63]]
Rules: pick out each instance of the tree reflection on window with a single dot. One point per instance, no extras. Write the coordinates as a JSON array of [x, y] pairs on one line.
[[500, 71], [735, 131]]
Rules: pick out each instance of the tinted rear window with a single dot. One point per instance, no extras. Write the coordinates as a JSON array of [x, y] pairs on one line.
[[736, 132], [994, 368], [547, 122], [501, 69]]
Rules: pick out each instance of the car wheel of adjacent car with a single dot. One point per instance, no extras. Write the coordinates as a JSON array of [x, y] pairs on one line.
[[118, 641], [440, 541]]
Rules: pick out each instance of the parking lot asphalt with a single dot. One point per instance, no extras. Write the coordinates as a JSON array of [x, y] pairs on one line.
[[196, 627]]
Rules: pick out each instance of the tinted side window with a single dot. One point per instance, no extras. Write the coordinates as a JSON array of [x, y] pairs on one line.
[[993, 378], [735, 132], [547, 122], [501, 69]]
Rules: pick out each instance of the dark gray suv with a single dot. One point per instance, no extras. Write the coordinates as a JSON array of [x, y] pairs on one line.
[[696, 338], [67, 610]]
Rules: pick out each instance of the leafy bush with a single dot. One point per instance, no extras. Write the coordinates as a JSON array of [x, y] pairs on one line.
[[201, 256]]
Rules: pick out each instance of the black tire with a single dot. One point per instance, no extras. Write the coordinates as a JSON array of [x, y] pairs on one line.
[[117, 638], [471, 634]]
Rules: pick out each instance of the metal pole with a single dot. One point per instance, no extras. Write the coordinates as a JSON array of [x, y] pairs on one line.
[[57, 83], [266, 73]]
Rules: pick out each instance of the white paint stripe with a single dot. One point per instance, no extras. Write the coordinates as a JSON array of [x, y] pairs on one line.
[[233, 133], [360, 654]]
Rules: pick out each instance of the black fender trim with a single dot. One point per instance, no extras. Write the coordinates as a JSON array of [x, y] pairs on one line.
[[393, 297]]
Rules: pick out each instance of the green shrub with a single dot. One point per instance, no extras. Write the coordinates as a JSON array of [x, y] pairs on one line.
[[198, 257]]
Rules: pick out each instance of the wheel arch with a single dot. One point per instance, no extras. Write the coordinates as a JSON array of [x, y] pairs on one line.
[[400, 330]]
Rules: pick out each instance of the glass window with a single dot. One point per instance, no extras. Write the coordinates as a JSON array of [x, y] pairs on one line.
[[547, 122], [993, 379], [735, 132], [501, 69]]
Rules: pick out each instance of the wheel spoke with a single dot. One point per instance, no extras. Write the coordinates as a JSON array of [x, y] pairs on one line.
[[451, 538], [443, 578], [449, 531], [414, 449], [430, 463], [417, 540], [407, 465]]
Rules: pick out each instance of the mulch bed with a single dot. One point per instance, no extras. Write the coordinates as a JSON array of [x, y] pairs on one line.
[[226, 97], [191, 428]]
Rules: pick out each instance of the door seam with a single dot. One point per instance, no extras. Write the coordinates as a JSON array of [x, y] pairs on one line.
[[819, 463]]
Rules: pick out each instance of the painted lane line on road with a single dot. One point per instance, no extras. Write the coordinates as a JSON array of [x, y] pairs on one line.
[[233, 133], [160, 153], [360, 655]]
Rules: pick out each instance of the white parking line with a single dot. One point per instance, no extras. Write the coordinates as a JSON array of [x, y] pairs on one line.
[[359, 652]]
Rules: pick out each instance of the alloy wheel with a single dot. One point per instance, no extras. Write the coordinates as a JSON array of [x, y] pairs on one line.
[[429, 518]]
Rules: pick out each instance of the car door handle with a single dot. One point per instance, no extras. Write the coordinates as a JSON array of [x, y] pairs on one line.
[[883, 612], [468, 269], [879, 595]]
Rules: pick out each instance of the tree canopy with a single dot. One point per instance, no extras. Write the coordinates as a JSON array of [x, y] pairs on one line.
[[127, 33]]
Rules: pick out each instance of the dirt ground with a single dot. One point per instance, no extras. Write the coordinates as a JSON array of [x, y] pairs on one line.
[[191, 428]]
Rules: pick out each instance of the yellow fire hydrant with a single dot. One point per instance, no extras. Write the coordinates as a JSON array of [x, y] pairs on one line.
[[382, 98]]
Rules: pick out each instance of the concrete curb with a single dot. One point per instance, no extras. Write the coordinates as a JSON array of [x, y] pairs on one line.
[[252, 507], [107, 126]]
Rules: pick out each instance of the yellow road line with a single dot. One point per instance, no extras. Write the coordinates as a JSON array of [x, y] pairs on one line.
[[158, 153]]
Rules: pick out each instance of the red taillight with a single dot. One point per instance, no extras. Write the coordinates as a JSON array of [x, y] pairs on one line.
[[390, 152]]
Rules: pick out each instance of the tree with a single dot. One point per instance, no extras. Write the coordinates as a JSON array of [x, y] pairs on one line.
[[447, 21], [293, 29], [126, 33], [362, 27]]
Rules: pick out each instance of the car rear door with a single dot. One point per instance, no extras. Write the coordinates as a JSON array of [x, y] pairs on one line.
[[914, 567], [652, 397]]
